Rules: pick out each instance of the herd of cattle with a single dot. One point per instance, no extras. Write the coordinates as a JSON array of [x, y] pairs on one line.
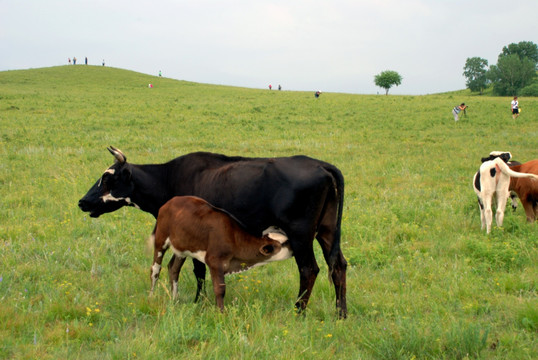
[[233, 213]]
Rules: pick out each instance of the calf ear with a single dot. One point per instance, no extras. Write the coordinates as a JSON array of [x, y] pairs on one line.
[[267, 249], [270, 249]]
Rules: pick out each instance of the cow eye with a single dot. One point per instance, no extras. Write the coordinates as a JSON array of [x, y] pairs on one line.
[[107, 180]]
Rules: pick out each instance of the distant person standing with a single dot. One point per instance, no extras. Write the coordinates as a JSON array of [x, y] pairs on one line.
[[457, 110], [279, 87], [270, 87], [86, 60], [160, 73], [74, 60], [317, 94], [69, 61], [103, 62], [515, 108]]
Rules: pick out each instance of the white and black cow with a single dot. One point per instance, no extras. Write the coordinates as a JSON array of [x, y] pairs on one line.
[[493, 178], [302, 196], [507, 158]]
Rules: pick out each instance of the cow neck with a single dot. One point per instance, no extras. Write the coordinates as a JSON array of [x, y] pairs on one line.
[[150, 191]]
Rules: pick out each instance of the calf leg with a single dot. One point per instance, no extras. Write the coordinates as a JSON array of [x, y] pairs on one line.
[[158, 254], [530, 210], [219, 286], [501, 205], [174, 267], [482, 214], [488, 214]]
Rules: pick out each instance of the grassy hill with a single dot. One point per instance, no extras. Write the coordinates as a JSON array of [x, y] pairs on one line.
[[423, 280]]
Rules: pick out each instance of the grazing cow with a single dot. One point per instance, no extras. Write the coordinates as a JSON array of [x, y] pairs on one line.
[[493, 178], [302, 196], [192, 227], [527, 189]]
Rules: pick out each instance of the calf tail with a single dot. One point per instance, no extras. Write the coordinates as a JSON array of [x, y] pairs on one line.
[[150, 243], [507, 171]]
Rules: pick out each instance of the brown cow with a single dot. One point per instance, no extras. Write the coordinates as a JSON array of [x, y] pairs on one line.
[[527, 189], [194, 228]]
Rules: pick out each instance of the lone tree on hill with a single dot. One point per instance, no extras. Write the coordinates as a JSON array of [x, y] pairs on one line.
[[387, 79]]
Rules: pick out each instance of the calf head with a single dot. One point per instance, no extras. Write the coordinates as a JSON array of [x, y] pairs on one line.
[[276, 246], [113, 189], [270, 248], [504, 155]]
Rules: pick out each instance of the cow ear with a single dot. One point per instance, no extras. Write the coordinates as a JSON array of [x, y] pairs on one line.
[[120, 157], [126, 173]]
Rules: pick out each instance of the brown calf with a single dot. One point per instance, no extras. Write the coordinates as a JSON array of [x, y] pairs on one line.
[[527, 189], [194, 228]]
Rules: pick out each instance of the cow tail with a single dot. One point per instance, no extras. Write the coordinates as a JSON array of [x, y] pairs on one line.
[[335, 248]]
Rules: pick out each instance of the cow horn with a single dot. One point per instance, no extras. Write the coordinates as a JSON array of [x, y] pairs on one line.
[[117, 154]]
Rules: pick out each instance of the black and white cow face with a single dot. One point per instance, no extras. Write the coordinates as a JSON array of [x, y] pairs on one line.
[[112, 191]]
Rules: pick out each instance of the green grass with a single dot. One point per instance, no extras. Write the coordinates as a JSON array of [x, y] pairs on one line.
[[424, 281]]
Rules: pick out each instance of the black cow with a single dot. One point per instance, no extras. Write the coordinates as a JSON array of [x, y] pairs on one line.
[[302, 196]]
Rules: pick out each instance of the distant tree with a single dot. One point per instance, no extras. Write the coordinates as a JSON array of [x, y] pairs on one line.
[[387, 79], [523, 49], [475, 70], [531, 90], [511, 74]]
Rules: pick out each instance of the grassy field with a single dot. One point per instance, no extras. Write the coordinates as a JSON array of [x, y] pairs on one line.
[[424, 282]]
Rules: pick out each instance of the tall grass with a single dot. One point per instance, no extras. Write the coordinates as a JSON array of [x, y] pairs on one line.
[[423, 280]]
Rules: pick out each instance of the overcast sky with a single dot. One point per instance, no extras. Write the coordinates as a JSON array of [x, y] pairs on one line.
[[330, 45]]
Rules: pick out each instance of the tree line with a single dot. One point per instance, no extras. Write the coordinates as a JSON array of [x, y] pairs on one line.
[[514, 74]]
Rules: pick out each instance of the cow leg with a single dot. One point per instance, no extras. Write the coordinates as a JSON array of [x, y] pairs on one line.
[[308, 271], [199, 272], [174, 267], [337, 268]]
